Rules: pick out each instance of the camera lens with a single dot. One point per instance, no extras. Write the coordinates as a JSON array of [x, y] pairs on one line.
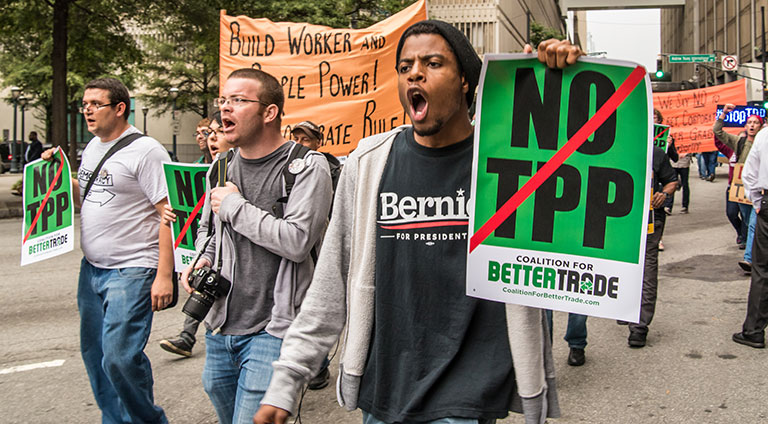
[[197, 305]]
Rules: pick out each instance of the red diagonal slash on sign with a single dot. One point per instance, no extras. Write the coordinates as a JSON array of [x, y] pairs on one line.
[[47, 196], [661, 133], [558, 158], [192, 216]]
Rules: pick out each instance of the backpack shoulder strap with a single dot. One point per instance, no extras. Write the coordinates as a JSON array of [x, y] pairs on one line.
[[123, 142], [299, 151]]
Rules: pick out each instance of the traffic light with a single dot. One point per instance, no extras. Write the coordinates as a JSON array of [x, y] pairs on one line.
[[659, 69], [765, 98]]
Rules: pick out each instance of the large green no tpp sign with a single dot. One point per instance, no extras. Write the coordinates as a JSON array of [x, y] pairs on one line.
[[593, 204]]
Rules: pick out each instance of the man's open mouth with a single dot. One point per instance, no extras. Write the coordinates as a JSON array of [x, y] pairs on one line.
[[418, 104], [227, 124]]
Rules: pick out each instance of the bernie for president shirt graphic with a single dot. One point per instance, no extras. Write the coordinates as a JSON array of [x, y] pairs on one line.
[[424, 194]]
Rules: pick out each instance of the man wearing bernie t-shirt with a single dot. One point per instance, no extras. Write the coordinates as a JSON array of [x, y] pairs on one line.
[[393, 267]]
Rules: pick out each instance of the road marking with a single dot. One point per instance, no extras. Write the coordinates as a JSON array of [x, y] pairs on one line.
[[49, 364]]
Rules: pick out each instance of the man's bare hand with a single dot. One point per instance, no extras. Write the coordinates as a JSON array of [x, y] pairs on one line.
[[168, 216], [161, 293], [269, 414], [558, 53], [219, 193], [658, 200], [188, 271], [48, 154], [728, 108]]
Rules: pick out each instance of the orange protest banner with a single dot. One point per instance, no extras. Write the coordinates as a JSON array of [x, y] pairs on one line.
[[691, 113], [344, 80]]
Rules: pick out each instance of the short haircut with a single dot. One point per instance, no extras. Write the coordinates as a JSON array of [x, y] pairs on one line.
[[118, 92], [271, 90], [204, 122]]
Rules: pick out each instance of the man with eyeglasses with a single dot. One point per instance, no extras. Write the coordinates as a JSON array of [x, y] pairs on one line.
[[262, 243], [126, 272]]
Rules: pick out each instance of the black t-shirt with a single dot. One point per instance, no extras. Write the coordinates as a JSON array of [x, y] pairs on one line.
[[663, 173], [435, 352]]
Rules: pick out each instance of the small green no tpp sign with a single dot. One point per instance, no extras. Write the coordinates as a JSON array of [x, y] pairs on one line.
[[561, 169], [48, 228]]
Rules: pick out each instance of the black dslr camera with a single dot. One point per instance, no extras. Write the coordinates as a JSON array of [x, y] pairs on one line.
[[208, 286]]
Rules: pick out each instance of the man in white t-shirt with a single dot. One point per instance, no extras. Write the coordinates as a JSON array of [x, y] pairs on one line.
[[126, 273]]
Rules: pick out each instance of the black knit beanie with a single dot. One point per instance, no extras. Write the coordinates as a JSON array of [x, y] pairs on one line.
[[469, 62]]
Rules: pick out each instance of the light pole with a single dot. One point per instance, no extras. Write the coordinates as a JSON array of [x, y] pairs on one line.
[[174, 95], [144, 110], [15, 93], [22, 104]]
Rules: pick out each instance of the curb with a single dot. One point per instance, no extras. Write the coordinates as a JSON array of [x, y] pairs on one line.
[[11, 210]]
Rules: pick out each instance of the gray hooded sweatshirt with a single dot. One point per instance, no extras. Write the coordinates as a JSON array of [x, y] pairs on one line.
[[341, 296]]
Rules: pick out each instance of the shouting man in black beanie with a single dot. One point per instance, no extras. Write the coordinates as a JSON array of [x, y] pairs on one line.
[[393, 265]]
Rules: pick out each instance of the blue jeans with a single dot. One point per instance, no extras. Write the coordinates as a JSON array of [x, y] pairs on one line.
[[707, 163], [370, 419], [576, 333], [115, 320], [732, 212], [237, 372], [750, 235]]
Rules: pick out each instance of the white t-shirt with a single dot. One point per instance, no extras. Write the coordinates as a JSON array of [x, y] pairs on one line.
[[118, 221]]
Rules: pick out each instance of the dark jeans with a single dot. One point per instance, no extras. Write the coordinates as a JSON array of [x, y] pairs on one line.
[[757, 301], [682, 175], [707, 163], [732, 212], [650, 276], [575, 333]]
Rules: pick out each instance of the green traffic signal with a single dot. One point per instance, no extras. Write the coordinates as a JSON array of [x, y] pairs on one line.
[[659, 74], [765, 105]]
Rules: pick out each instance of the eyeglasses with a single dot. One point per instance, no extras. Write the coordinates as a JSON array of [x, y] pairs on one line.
[[235, 102], [204, 133], [96, 106]]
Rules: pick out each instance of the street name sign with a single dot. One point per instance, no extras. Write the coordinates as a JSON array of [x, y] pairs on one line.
[[560, 179], [691, 58]]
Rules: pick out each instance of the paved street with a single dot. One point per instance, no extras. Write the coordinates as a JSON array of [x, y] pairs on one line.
[[690, 372]]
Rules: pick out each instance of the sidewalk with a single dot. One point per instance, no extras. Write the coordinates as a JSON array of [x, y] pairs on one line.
[[10, 204]]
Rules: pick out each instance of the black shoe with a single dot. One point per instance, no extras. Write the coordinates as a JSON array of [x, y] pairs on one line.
[[321, 380], [742, 246], [684, 210], [576, 357], [636, 340], [179, 346], [621, 322], [751, 341], [746, 266]]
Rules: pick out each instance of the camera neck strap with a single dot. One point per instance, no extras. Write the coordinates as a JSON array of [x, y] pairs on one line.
[[217, 178]]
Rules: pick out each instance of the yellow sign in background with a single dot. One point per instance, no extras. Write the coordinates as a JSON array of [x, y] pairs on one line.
[[341, 79]]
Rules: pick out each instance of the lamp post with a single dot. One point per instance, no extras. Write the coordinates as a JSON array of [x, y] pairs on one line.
[[15, 93], [174, 95], [144, 110], [22, 104]]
